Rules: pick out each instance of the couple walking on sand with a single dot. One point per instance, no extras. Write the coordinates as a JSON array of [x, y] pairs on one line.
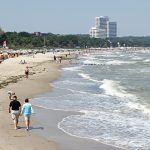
[[16, 111]]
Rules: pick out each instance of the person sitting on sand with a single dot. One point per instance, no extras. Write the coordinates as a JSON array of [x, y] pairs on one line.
[[23, 62], [27, 72], [11, 94], [27, 110], [15, 109]]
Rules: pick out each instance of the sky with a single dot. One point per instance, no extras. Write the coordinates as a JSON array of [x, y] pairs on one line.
[[74, 16]]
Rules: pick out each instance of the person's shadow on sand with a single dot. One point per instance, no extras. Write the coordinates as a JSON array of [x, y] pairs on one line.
[[36, 128], [32, 128]]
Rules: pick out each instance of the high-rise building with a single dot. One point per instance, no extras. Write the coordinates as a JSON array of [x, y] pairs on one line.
[[112, 29], [103, 28], [97, 22]]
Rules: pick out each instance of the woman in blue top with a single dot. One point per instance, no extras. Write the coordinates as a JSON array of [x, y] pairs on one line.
[[27, 111]]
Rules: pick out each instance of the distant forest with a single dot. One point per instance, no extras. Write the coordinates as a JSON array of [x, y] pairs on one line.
[[27, 40]]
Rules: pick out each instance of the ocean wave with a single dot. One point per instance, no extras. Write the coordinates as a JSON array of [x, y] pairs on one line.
[[114, 88], [112, 129], [118, 62], [87, 76], [139, 107], [137, 58], [146, 60], [145, 70], [72, 82], [77, 85], [72, 68], [89, 62]]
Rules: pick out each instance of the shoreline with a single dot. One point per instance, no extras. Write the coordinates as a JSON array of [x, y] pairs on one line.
[[38, 83], [49, 119], [45, 71], [53, 132], [12, 139]]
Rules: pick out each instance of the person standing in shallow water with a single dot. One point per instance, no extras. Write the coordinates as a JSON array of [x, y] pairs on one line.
[[27, 110], [15, 109]]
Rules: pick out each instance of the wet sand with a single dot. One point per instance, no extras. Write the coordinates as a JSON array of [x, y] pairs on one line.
[[48, 121]]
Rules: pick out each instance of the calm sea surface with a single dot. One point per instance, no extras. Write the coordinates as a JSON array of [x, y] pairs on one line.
[[112, 89]]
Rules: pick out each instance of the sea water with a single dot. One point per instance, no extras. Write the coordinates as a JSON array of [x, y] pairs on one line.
[[112, 91]]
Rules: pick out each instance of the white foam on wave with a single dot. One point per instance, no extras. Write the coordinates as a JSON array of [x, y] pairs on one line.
[[137, 58], [118, 62], [72, 82], [86, 76], [91, 62], [59, 125], [48, 108], [91, 57], [147, 60], [113, 88], [72, 68], [137, 106], [86, 112]]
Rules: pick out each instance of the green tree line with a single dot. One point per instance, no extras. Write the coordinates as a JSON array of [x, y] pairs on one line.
[[27, 40]]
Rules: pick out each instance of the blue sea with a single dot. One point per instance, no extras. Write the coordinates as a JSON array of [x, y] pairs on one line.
[[111, 89]]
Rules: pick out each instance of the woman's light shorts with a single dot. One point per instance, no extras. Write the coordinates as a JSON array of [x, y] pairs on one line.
[[27, 117]]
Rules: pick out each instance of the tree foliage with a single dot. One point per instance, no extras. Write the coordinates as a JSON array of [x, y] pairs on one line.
[[27, 40], [1, 31]]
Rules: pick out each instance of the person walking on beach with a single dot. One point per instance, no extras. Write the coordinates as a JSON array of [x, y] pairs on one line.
[[54, 58], [27, 72], [27, 110], [60, 59], [15, 109]]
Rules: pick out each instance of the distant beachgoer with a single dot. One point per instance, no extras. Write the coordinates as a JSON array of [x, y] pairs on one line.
[[21, 62], [27, 110], [15, 109], [60, 59], [24, 62], [27, 72], [54, 58]]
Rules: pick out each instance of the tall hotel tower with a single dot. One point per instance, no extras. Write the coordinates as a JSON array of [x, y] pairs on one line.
[[103, 28]]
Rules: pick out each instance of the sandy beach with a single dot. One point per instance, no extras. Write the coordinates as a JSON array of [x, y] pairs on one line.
[[37, 83], [43, 71]]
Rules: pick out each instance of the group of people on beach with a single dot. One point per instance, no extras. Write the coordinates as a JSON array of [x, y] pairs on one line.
[[58, 59], [16, 110], [22, 62]]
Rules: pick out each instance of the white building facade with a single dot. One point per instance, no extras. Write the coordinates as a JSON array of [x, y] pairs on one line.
[[95, 32], [103, 28]]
